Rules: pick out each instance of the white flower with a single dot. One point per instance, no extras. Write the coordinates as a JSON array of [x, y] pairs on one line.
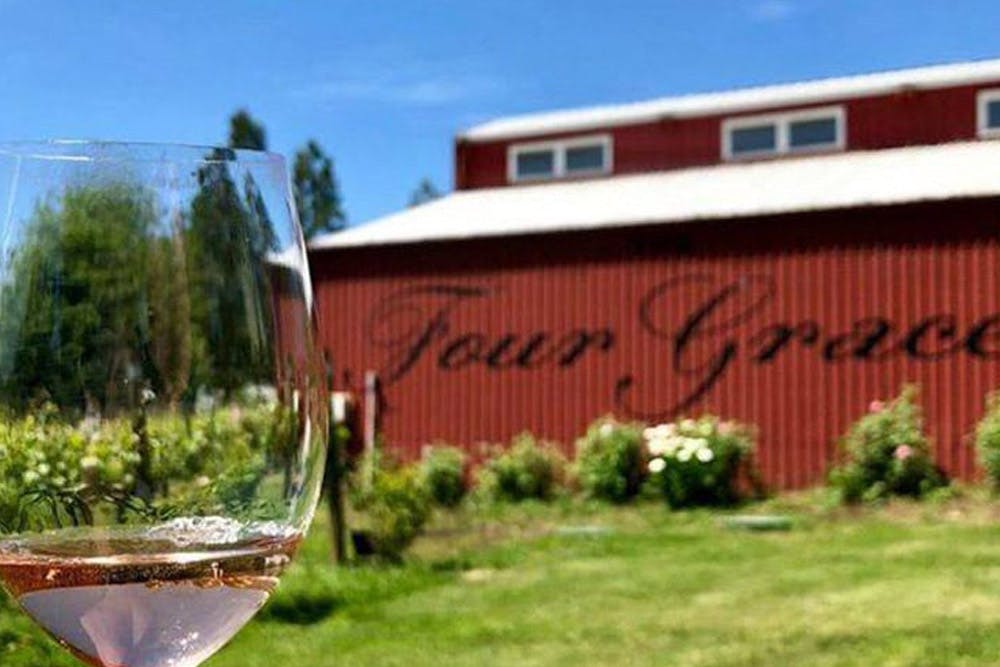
[[607, 428], [657, 446], [658, 431], [691, 445], [147, 396], [90, 462], [30, 477], [687, 425], [202, 481], [705, 454], [657, 465], [684, 455], [705, 428]]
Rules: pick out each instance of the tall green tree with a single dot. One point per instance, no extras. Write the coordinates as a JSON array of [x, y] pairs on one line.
[[246, 132], [317, 195], [174, 343], [228, 241], [93, 300], [425, 192]]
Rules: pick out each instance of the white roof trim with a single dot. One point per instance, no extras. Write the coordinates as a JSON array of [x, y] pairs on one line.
[[735, 190], [294, 257], [749, 99]]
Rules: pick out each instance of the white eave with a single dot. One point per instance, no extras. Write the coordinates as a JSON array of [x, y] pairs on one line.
[[780, 186], [294, 258], [736, 101]]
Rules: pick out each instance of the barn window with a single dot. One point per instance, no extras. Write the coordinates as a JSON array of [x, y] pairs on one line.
[[536, 164], [989, 113], [585, 158], [810, 133], [559, 159], [777, 134], [754, 139]]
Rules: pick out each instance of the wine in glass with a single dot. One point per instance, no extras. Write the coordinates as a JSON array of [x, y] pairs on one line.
[[162, 413]]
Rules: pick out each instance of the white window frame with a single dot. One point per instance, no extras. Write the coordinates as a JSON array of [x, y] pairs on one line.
[[782, 123], [983, 99], [559, 148]]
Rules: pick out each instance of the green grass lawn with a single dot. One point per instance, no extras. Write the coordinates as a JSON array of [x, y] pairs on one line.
[[900, 585]]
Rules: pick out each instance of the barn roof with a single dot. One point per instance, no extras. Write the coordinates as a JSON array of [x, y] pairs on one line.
[[735, 101], [788, 185]]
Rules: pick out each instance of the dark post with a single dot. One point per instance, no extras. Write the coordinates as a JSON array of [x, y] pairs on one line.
[[336, 469], [335, 492]]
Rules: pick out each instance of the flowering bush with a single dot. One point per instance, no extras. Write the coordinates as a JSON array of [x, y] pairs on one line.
[[887, 453], [611, 461], [442, 473], [527, 469], [988, 440], [698, 462], [394, 506]]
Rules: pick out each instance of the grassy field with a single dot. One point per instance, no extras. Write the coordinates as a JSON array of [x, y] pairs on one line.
[[574, 584]]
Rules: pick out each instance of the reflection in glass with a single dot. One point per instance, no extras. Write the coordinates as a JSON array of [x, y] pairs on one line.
[[162, 427]]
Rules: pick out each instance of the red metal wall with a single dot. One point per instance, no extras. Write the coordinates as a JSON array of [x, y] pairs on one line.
[[902, 119], [546, 333]]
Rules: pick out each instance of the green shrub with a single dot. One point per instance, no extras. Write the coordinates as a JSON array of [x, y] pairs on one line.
[[395, 508], [528, 469], [699, 462], [442, 473], [887, 453], [611, 461], [112, 470], [988, 440]]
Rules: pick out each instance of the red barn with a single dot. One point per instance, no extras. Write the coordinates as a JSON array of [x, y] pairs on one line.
[[779, 255]]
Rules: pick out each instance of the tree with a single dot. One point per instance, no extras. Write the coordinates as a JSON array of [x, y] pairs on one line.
[[172, 338], [94, 299], [228, 241], [425, 192], [317, 196], [245, 132]]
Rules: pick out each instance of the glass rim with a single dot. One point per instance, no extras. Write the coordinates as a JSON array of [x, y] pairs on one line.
[[95, 150]]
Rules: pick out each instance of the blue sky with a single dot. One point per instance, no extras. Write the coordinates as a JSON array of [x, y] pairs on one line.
[[385, 85]]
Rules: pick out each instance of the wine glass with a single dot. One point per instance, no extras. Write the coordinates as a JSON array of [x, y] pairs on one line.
[[162, 408]]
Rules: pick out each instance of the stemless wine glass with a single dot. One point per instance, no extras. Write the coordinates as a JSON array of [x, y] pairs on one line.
[[162, 409]]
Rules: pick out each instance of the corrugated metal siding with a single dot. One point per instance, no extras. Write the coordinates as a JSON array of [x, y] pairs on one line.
[[903, 264], [907, 118]]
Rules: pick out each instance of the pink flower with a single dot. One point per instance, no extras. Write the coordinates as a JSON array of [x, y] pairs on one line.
[[876, 406], [903, 452]]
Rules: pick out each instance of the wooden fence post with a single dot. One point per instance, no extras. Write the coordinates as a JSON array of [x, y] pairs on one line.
[[336, 471], [371, 425]]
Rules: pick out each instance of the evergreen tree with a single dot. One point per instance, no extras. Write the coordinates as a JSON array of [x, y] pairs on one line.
[[317, 196], [229, 238], [245, 132], [425, 192]]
